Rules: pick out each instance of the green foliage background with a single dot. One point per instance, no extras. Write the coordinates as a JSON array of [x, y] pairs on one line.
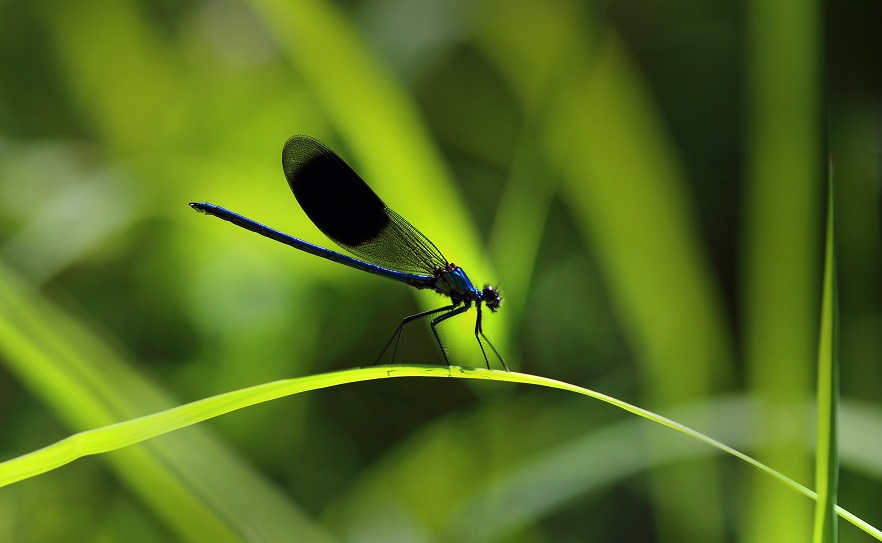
[[643, 181]]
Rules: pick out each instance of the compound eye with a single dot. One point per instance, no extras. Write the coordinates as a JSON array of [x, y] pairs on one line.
[[491, 298]]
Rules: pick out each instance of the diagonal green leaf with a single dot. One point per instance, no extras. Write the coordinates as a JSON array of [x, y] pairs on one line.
[[379, 121], [86, 385]]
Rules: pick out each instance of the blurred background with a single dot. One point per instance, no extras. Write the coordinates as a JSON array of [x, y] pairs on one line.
[[644, 182]]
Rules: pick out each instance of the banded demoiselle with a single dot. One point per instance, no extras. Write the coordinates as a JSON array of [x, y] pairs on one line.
[[348, 212]]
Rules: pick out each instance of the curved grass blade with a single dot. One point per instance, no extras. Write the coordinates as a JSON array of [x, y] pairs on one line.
[[134, 431]]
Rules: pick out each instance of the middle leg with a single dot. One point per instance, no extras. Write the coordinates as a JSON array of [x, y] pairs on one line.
[[442, 318]]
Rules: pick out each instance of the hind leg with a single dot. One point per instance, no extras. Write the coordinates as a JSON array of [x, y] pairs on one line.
[[400, 330]]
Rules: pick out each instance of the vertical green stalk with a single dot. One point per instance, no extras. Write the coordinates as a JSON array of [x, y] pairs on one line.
[[780, 252], [827, 455]]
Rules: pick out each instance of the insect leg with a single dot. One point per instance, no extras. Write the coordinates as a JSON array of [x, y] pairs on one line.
[[479, 329], [400, 330], [442, 318]]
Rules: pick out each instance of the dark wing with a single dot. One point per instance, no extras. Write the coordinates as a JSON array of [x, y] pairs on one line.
[[346, 210]]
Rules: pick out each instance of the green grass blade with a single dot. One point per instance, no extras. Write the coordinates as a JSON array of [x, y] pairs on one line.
[[827, 452], [134, 431], [781, 279], [523, 211], [534, 73]]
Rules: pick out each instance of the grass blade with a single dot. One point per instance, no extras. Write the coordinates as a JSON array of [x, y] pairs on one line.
[[781, 279], [827, 455], [134, 431]]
